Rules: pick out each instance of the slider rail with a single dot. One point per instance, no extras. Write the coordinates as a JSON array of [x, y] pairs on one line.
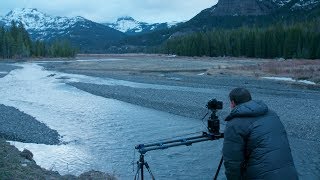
[[144, 148]]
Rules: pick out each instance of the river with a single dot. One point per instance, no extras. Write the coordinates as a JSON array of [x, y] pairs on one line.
[[100, 133]]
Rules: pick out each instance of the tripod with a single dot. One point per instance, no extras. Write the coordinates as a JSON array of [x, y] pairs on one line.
[[142, 163], [212, 134], [144, 148]]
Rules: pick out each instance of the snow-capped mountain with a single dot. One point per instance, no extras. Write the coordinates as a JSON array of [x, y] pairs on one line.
[[305, 4], [40, 25], [280, 2], [78, 30], [258, 7], [298, 4], [129, 26]]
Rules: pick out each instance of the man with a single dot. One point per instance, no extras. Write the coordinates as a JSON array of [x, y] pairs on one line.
[[255, 143]]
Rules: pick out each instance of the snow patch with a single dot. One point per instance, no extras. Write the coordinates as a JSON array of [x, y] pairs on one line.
[[125, 24], [290, 80], [173, 23], [281, 2], [305, 4]]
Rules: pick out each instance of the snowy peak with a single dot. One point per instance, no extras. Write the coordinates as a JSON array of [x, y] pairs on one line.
[[32, 19], [83, 33], [131, 26], [259, 7], [298, 4], [125, 24], [305, 4], [281, 2]]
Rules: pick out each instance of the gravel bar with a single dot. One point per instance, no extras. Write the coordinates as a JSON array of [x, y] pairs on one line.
[[18, 126]]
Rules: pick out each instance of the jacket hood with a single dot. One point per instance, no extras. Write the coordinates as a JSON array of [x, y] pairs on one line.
[[249, 109]]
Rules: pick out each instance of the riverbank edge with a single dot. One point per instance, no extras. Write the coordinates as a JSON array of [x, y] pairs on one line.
[[15, 165]]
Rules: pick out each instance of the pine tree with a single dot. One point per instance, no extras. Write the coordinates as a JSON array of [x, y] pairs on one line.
[[2, 41]]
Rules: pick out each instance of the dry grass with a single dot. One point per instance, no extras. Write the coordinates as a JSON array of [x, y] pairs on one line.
[[297, 69]]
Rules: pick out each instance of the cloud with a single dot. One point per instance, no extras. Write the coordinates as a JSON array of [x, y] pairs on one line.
[[109, 10]]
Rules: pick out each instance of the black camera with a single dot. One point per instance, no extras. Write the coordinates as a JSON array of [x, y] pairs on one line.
[[214, 104]]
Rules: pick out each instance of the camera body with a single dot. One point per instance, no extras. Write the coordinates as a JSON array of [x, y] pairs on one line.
[[214, 104], [213, 121]]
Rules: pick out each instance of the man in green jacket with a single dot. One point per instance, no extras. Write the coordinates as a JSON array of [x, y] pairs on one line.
[[255, 143]]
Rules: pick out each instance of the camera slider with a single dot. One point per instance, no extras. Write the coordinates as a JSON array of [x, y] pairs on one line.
[[144, 148], [212, 134]]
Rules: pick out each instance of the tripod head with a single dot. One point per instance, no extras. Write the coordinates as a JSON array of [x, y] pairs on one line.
[[213, 121]]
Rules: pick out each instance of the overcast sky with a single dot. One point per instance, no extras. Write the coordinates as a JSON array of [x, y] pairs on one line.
[[110, 10]]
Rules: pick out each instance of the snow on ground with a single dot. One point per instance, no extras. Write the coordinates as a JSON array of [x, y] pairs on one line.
[[290, 80]]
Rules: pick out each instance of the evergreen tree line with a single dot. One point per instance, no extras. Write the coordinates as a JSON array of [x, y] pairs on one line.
[[15, 42], [294, 41]]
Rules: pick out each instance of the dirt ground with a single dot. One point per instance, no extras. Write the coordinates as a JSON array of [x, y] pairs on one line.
[[297, 69]]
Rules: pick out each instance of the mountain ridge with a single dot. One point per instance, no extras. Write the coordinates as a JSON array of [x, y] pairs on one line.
[[281, 11], [96, 37], [131, 26], [85, 34], [258, 7]]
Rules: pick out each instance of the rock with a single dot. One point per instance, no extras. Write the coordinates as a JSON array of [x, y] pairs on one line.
[[51, 75], [27, 154], [95, 175], [242, 8]]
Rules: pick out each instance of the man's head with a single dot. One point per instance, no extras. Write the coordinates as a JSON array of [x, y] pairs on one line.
[[238, 96]]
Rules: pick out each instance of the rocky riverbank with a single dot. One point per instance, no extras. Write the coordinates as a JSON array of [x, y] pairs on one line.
[[19, 126], [15, 165]]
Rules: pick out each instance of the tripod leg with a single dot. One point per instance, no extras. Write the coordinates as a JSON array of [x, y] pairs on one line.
[[149, 170], [219, 167], [140, 164], [136, 177]]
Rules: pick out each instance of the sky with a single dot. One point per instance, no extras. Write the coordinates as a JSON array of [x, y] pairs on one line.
[[150, 11]]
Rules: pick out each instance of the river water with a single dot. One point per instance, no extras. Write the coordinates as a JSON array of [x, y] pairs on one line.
[[100, 133]]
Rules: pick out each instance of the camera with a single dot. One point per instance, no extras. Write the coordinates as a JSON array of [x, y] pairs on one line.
[[213, 121], [214, 104]]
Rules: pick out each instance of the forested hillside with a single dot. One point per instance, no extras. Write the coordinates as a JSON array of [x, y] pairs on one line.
[[15, 42], [289, 41], [288, 31]]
